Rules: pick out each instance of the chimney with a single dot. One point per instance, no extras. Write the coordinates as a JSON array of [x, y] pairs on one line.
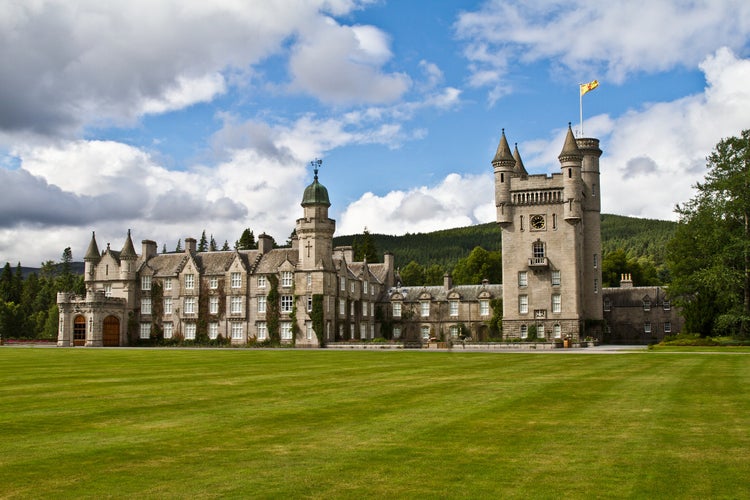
[[388, 260], [447, 281], [626, 281], [190, 245], [295, 242], [148, 249], [346, 253], [265, 243]]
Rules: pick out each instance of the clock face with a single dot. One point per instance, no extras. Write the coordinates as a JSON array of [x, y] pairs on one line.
[[537, 222]]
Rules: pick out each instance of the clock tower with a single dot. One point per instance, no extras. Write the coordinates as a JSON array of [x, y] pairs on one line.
[[551, 243]]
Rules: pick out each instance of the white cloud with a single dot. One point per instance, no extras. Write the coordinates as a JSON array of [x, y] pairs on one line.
[[456, 202], [614, 39]]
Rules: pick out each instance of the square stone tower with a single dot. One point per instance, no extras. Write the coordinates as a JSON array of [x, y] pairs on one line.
[[551, 243]]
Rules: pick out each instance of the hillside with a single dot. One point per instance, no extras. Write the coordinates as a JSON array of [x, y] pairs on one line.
[[638, 237]]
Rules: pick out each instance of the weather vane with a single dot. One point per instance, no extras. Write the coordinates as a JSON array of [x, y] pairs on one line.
[[316, 163]]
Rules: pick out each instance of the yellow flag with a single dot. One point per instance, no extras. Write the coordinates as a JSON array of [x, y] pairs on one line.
[[586, 87]]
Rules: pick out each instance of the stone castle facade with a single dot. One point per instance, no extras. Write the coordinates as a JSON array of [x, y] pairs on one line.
[[313, 293]]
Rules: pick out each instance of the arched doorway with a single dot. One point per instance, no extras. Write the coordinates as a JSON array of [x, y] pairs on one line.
[[111, 332], [79, 330]]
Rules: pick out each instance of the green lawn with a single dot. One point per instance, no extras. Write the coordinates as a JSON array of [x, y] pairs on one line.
[[292, 423]]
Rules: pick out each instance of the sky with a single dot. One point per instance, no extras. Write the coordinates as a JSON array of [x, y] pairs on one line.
[[175, 117]]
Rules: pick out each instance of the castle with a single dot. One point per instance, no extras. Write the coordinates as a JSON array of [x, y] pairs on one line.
[[313, 294]]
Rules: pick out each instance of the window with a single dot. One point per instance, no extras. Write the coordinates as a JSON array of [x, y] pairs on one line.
[[342, 284], [309, 303], [235, 305], [596, 261], [557, 331], [667, 306], [556, 303], [523, 304], [521, 220], [108, 290], [308, 330], [362, 331], [537, 249], [213, 282], [667, 327], [145, 330], [425, 332], [168, 330], [647, 327], [342, 307], [453, 307], [309, 280], [554, 221], [646, 304], [454, 332], [555, 278], [189, 305], [261, 281], [189, 281], [236, 280], [286, 330], [396, 332], [596, 285], [167, 283], [484, 307], [236, 330], [607, 305], [146, 305], [190, 331], [524, 331], [213, 330], [351, 308], [364, 287], [373, 289], [262, 330], [425, 308], [213, 305], [261, 303], [397, 309], [540, 332], [286, 279], [353, 286], [145, 282], [287, 301], [523, 278], [167, 305]]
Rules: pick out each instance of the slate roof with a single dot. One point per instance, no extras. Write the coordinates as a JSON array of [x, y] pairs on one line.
[[440, 293]]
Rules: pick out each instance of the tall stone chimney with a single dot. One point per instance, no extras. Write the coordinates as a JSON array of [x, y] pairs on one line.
[[265, 243], [190, 245]]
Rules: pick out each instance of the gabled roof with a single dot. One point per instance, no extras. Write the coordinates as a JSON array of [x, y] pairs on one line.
[[271, 261], [214, 263], [166, 264], [439, 293]]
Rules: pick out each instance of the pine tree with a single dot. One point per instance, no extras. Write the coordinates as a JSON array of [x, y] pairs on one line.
[[246, 241], [225, 248], [203, 243], [178, 248], [212, 244], [164, 248]]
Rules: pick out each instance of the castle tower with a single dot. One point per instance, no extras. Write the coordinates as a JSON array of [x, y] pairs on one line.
[[91, 259], [551, 242], [315, 230], [127, 259]]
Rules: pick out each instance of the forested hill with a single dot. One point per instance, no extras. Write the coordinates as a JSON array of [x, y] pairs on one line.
[[638, 237]]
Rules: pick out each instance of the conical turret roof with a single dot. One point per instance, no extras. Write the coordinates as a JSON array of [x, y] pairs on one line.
[[570, 149], [503, 154], [520, 169], [128, 251], [92, 253]]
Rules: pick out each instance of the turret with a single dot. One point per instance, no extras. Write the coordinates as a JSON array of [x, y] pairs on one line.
[[589, 147], [519, 169], [315, 230], [504, 165], [91, 259], [127, 259], [571, 159]]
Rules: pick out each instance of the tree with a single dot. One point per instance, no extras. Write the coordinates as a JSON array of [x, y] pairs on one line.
[[709, 255], [618, 262], [178, 248], [212, 244], [203, 243], [479, 265], [225, 247], [164, 248], [246, 241], [364, 248], [412, 274]]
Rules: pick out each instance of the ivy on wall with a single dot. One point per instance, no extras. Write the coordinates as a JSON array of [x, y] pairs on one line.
[[273, 310], [316, 315]]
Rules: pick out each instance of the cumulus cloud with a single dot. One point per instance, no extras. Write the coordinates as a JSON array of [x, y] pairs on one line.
[[457, 201], [614, 39]]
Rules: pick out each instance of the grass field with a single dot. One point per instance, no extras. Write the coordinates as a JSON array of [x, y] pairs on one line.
[[166, 423]]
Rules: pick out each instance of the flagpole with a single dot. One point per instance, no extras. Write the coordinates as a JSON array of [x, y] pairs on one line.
[[580, 108]]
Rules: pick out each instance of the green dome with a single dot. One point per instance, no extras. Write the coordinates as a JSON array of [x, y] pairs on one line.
[[316, 194]]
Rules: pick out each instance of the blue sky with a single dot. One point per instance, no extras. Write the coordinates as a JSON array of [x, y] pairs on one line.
[[171, 117]]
